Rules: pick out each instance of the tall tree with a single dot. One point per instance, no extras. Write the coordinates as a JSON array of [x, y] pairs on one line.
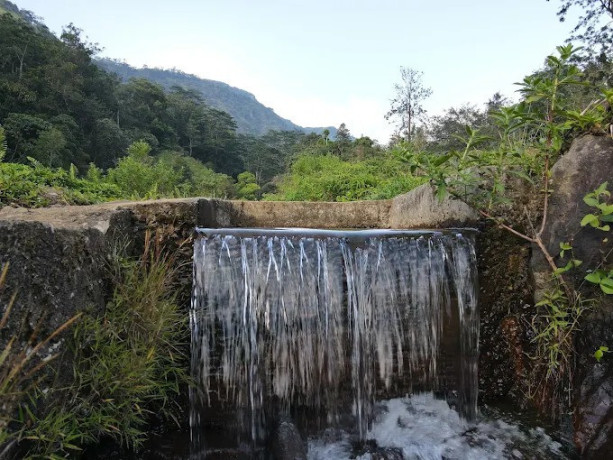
[[343, 140], [407, 106], [594, 26]]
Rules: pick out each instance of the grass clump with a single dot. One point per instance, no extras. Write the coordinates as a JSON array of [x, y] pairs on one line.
[[129, 366], [22, 367]]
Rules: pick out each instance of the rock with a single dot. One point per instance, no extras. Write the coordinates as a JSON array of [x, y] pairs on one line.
[[587, 164], [287, 444], [594, 413], [420, 208]]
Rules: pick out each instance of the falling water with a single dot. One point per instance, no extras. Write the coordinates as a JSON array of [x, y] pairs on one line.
[[305, 318]]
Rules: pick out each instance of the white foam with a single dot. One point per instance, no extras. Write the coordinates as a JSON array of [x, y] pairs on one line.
[[425, 428]]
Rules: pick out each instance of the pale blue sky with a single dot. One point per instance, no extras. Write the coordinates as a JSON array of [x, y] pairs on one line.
[[322, 63]]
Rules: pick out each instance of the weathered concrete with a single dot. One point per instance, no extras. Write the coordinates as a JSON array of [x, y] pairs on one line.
[[420, 208], [416, 209], [270, 214], [505, 304]]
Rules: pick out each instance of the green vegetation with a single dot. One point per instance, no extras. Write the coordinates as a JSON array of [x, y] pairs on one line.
[[508, 158], [129, 365], [38, 185], [22, 366], [73, 134], [330, 178], [137, 176]]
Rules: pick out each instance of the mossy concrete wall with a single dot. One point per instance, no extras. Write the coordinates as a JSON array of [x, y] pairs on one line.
[[58, 255]]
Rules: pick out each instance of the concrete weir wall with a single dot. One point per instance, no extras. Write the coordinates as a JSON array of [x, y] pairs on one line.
[[57, 255]]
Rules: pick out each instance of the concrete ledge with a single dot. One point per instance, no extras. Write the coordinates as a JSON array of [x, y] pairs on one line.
[[271, 214], [417, 209]]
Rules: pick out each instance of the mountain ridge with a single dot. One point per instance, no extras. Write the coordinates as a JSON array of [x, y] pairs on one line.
[[251, 116]]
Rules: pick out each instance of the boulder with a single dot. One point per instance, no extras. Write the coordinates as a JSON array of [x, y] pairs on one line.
[[420, 208], [287, 444], [587, 164]]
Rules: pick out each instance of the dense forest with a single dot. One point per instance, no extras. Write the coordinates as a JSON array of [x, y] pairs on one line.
[[72, 132]]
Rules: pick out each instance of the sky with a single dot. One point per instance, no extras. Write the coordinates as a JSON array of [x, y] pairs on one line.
[[327, 62]]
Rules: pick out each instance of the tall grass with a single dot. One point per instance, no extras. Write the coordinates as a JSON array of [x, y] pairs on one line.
[[128, 367], [21, 368]]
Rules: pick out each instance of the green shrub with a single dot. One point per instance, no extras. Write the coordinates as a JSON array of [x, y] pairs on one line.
[[195, 178], [170, 175], [35, 186], [329, 178], [246, 186]]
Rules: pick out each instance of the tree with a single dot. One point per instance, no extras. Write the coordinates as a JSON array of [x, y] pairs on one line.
[[407, 105], [594, 26], [343, 141], [246, 186], [448, 131]]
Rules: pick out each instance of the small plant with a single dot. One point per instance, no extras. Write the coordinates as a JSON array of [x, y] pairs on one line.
[[600, 219], [598, 354], [603, 211]]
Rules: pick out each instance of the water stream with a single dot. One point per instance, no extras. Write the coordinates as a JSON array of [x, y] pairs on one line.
[[325, 327]]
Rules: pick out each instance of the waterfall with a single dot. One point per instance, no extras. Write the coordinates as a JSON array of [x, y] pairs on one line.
[[328, 319]]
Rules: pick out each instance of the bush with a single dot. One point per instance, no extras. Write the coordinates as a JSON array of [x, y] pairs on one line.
[[35, 186], [170, 175], [329, 178]]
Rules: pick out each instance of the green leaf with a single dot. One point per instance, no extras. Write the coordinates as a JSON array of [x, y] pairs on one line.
[[594, 277], [442, 159], [590, 200], [590, 219], [606, 290], [602, 190], [564, 269], [605, 208], [608, 282], [441, 192], [598, 354], [604, 228]]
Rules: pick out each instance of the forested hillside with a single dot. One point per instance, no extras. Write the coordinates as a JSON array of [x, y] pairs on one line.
[[58, 109], [251, 116]]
